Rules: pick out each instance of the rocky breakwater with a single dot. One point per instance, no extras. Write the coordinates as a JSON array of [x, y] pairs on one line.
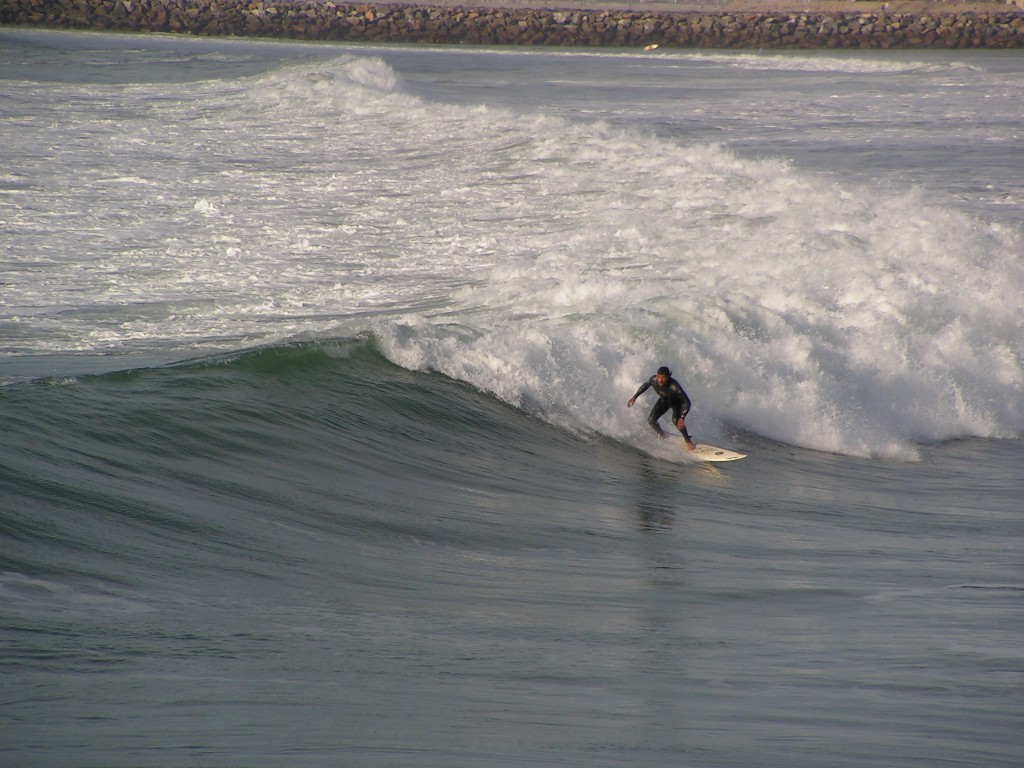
[[363, 22]]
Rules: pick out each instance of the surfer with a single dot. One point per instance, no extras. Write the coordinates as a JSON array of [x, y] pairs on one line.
[[670, 395]]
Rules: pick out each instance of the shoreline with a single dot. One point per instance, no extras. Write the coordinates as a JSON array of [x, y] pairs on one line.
[[759, 24]]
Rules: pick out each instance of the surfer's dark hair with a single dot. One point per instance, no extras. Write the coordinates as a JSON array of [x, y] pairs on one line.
[[664, 371]]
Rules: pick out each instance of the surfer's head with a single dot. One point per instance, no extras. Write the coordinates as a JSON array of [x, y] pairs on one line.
[[663, 375]]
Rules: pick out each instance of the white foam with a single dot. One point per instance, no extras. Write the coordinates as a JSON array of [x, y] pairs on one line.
[[824, 316], [552, 263]]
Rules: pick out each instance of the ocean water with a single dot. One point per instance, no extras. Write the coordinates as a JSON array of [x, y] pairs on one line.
[[313, 371]]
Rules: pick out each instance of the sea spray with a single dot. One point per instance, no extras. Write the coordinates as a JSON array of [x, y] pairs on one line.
[[827, 316]]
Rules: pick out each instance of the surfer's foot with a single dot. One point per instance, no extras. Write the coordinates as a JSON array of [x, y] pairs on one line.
[[660, 432], [691, 446]]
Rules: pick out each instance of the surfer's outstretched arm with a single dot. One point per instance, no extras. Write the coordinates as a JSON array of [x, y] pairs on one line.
[[643, 388]]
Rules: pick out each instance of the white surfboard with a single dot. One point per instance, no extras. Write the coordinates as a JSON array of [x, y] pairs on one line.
[[706, 452]]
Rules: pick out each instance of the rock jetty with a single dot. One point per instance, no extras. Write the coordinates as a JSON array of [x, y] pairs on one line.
[[410, 23]]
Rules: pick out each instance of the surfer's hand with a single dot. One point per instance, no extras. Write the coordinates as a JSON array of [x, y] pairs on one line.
[[680, 424], [630, 403]]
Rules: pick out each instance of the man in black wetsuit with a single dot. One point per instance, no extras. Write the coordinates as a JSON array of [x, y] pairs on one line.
[[670, 395]]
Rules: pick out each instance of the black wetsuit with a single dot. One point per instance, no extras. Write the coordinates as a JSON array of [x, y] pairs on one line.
[[669, 396]]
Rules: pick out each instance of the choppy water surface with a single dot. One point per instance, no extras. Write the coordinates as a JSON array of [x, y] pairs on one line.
[[315, 361]]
